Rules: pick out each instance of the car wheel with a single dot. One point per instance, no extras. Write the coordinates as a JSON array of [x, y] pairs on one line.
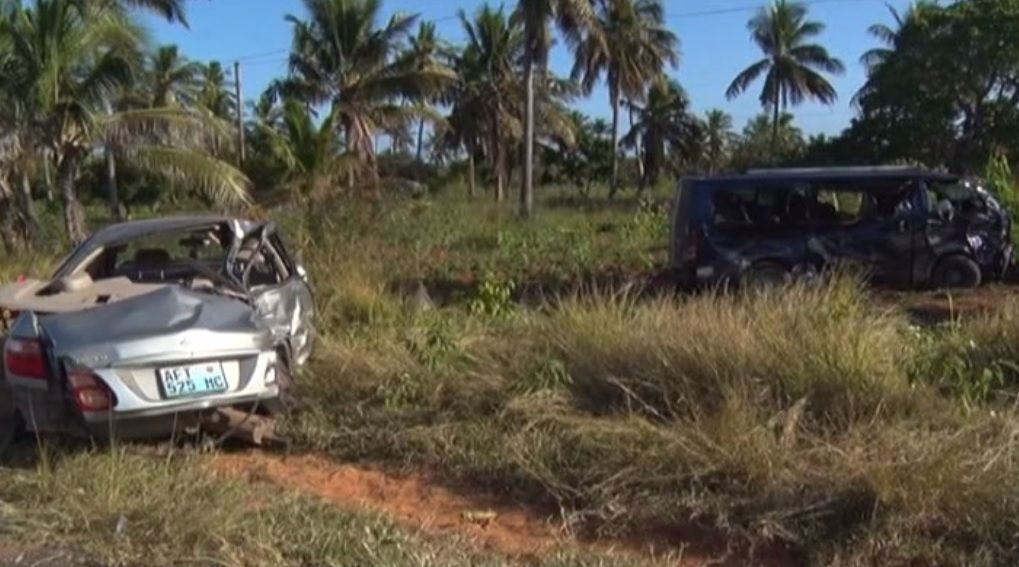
[[766, 275], [956, 272]]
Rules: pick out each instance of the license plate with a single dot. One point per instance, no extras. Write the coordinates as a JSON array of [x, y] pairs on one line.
[[197, 380]]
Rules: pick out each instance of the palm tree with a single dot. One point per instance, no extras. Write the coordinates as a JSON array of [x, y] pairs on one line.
[[486, 86], [758, 143], [214, 95], [718, 137], [428, 51], [308, 149], [664, 126], [573, 18], [172, 78], [792, 67], [631, 45], [340, 57], [66, 63]]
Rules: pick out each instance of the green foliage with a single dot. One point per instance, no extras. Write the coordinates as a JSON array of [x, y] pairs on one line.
[[493, 297]]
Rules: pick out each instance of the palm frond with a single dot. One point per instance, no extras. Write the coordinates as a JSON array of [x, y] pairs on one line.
[[195, 170]]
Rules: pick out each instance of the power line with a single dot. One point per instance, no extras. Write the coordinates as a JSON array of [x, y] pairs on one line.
[[737, 9]]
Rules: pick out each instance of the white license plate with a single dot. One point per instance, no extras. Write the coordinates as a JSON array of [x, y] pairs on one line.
[[197, 380]]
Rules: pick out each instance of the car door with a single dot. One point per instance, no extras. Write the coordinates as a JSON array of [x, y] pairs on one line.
[[870, 224], [283, 298]]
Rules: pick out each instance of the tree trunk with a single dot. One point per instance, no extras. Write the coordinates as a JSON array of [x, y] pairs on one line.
[[8, 214], [527, 183], [111, 184], [774, 135], [47, 177], [421, 139], [637, 152], [74, 216], [27, 206], [614, 181], [500, 173]]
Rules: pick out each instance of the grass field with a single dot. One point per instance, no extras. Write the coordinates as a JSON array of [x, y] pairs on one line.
[[814, 416]]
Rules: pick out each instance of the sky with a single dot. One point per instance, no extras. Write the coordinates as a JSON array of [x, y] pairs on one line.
[[714, 40]]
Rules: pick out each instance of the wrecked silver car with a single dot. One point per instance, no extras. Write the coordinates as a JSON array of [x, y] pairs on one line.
[[904, 226], [149, 327]]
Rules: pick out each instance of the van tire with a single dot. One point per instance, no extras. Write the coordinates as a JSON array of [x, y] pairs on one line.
[[766, 275], [956, 272]]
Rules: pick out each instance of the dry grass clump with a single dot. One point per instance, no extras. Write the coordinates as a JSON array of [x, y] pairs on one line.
[[687, 358]]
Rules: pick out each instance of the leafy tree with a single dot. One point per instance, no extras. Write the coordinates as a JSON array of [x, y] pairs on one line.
[[573, 18], [630, 45], [718, 139], [763, 143], [66, 61], [792, 68], [667, 129], [342, 58], [945, 89]]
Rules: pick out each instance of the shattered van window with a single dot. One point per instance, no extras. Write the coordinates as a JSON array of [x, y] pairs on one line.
[[759, 207]]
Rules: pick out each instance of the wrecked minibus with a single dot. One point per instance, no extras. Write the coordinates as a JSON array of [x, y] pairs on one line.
[[903, 226]]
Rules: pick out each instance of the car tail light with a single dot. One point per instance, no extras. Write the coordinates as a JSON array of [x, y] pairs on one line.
[[90, 393], [24, 358]]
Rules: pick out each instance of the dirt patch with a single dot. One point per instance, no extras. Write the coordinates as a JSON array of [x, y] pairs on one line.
[[409, 499], [420, 502], [932, 307]]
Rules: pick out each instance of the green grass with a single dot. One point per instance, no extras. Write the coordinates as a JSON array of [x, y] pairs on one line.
[[810, 415], [122, 507]]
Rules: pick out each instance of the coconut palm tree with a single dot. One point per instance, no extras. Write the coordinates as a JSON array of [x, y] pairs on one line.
[[66, 63], [308, 149], [573, 18], [172, 78], [341, 57], [718, 138], [486, 88], [793, 69], [631, 45], [428, 51], [664, 127], [214, 95]]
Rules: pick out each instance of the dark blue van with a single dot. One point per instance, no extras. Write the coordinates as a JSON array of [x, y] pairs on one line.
[[905, 226]]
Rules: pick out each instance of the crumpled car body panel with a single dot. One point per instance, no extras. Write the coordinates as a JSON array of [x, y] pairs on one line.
[[237, 339]]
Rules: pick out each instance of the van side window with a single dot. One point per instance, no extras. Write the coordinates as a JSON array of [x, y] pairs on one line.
[[847, 203], [749, 207]]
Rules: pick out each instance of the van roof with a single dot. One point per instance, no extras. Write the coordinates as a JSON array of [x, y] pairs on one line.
[[829, 173]]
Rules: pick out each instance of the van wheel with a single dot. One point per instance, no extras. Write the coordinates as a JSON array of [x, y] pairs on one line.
[[766, 275], [955, 272]]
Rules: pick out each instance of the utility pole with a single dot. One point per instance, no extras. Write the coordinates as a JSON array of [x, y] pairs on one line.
[[240, 113]]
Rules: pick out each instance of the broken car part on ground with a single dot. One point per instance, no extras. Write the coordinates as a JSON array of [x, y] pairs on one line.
[[155, 327], [904, 226]]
